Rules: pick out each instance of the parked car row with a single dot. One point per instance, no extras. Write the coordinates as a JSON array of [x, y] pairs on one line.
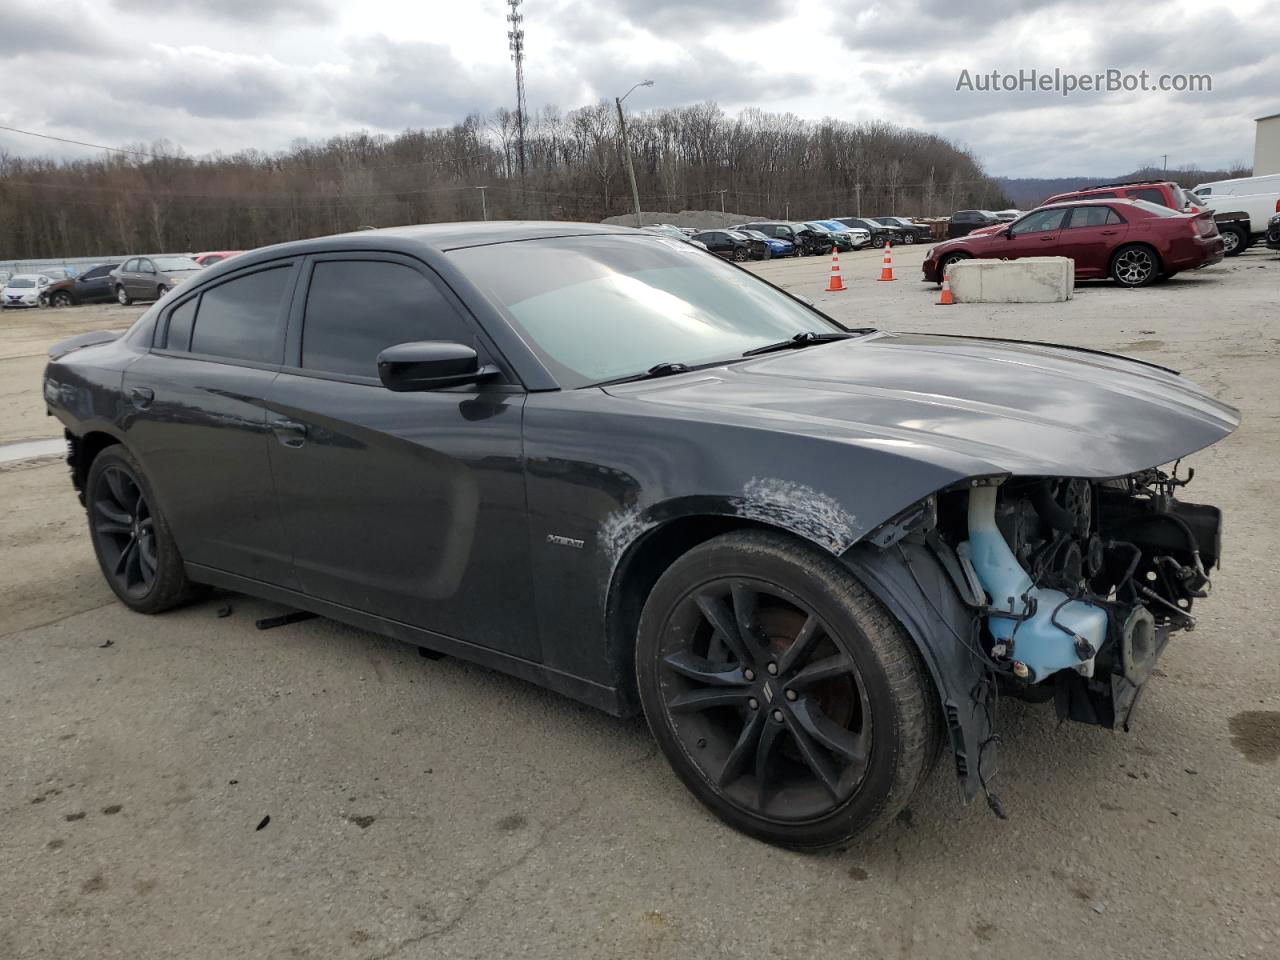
[[138, 278]]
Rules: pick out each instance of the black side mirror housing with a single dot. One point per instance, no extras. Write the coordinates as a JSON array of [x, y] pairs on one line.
[[430, 365]]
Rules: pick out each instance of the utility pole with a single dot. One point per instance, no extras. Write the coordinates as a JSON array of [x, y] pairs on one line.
[[484, 209], [722, 193], [1166, 161], [626, 149], [787, 215], [857, 189]]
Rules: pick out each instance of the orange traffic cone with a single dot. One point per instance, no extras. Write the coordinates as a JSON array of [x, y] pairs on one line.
[[946, 299], [835, 284], [886, 268]]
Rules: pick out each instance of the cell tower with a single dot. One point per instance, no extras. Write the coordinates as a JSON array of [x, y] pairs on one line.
[[515, 40]]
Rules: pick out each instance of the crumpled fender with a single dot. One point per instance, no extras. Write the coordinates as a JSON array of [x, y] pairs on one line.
[[910, 580]]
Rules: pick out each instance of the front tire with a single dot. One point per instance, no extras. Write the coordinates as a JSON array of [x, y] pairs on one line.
[[62, 299], [740, 254], [1135, 266], [877, 242], [782, 693], [134, 546], [908, 239]]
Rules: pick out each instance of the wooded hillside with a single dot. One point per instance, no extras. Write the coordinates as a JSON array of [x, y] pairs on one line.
[[156, 199]]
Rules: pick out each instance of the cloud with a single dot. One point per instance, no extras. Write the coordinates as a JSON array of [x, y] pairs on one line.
[[656, 15], [232, 11], [32, 29]]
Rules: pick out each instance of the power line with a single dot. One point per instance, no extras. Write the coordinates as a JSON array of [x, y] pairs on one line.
[[96, 146]]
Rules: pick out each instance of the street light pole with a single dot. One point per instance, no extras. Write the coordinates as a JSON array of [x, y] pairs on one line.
[[722, 193], [626, 149]]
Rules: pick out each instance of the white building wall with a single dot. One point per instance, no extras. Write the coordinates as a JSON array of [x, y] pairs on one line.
[[1266, 146]]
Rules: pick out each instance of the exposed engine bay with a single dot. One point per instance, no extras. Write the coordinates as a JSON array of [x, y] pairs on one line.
[[1080, 582]]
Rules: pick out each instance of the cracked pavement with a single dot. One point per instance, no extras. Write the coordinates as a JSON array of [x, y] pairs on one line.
[[428, 809]]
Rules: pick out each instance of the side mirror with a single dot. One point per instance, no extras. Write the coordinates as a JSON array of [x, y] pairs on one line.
[[429, 365]]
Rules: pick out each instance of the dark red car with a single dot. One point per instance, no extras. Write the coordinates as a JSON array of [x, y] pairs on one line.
[[1131, 241]]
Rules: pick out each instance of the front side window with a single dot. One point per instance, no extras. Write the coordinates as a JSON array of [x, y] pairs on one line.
[[131, 266], [597, 308], [357, 308], [1039, 222], [241, 319]]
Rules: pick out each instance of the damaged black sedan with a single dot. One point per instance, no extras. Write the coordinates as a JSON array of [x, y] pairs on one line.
[[620, 467]]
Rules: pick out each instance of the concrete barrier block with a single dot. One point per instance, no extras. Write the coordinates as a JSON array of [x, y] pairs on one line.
[[1030, 280]]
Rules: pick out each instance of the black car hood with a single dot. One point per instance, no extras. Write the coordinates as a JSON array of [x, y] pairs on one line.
[[974, 405]]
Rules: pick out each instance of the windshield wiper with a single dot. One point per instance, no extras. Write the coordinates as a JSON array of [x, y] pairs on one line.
[[664, 369], [806, 339]]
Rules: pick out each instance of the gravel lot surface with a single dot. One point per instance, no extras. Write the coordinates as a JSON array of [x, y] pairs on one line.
[[432, 809]]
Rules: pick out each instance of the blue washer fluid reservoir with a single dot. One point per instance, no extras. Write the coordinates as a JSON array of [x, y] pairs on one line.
[[1038, 642]]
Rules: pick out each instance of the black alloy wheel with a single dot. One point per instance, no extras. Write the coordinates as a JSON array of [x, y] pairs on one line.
[[124, 530], [740, 254], [135, 550], [782, 694]]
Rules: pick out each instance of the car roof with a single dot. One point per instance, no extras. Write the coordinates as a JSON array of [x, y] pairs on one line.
[[451, 236], [438, 237]]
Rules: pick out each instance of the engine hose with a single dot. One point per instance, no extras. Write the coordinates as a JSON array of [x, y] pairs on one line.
[[1191, 537]]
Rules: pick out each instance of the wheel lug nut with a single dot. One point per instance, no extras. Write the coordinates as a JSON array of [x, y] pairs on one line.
[[777, 715], [749, 674], [773, 669], [753, 703], [791, 694]]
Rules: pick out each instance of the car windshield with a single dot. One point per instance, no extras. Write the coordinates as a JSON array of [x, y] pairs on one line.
[[737, 235], [817, 227], [755, 234], [22, 282], [175, 263], [597, 308]]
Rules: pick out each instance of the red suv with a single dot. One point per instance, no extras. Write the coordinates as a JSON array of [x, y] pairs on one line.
[[1131, 241], [1166, 193]]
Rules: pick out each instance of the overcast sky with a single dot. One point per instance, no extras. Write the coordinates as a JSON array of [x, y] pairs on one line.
[[231, 74]]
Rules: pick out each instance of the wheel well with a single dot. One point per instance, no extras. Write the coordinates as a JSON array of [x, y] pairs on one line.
[[83, 451], [638, 571]]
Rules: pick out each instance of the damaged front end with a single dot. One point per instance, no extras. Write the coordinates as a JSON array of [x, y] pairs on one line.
[[1044, 588]]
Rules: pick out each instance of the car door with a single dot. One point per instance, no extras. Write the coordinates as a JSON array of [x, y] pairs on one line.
[[197, 420], [1089, 237], [144, 280], [1035, 235], [410, 506], [94, 285]]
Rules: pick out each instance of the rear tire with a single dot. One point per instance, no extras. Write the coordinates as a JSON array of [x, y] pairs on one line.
[[820, 727], [1135, 266], [1234, 241], [131, 538], [122, 297]]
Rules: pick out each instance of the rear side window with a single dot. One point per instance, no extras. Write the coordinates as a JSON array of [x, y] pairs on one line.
[[1093, 217], [1149, 194], [357, 308], [240, 319], [180, 322]]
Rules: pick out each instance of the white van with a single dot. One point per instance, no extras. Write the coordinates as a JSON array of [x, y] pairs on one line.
[[1239, 186], [1243, 207]]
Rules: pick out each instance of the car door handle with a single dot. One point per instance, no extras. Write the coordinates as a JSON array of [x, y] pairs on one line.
[[1109, 233], [291, 433], [141, 397], [1048, 239]]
